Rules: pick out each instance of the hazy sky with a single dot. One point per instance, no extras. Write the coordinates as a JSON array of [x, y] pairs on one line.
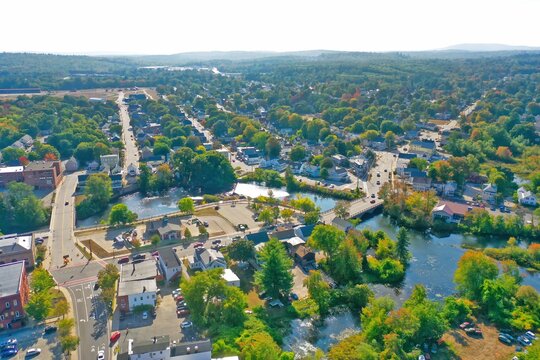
[[172, 26]]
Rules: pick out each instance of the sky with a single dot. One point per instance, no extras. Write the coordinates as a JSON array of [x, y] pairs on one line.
[[175, 26]]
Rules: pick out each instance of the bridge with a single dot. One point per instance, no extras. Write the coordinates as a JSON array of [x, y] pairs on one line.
[[357, 209]]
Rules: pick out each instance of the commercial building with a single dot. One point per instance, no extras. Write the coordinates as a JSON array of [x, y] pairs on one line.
[[43, 174], [15, 247], [11, 173], [161, 348], [14, 292], [137, 285]]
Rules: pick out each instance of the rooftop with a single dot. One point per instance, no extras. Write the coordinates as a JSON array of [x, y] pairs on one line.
[[229, 275], [40, 165], [10, 278], [126, 288], [191, 347], [452, 208], [169, 258], [157, 343], [13, 243], [144, 270], [11, 169]]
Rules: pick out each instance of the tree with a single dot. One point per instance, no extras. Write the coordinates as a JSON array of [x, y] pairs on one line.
[[12, 154], [241, 250], [120, 214], [498, 298], [326, 238], [161, 148], [186, 205], [155, 239], [324, 173], [390, 139], [39, 305], [312, 217], [304, 204], [298, 153], [162, 179], [473, 269], [275, 276], [318, 290], [187, 234], [286, 214], [402, 247], [65, 326], [69, 343], [107, 277], [346, 264], [374, 317], [456, 310], [267, 216], [98, 190], [342, 209], [352, 348], [419, 163], [41, 281], [20, 209], [61, 308], [145, 175], [272, 147]]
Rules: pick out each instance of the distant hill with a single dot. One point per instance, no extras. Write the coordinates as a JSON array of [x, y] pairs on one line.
[[489, 47]]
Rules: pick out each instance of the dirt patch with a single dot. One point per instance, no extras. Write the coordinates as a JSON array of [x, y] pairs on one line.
[[487, 347], [101, 252]]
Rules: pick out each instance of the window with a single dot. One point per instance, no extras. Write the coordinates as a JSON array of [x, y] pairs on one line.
[[17, 314], [141, 298], [15, 303], [8, 305], [1, 317]]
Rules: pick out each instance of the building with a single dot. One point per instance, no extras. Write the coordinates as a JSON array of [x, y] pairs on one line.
[[304, 231], [137, 285], [304, 256], [378, 143], [340, 160], [206, 259], [338, 174], [310, 170], [14, 293], [170, 265], [489, 193], [156, 348], [342, 224], [15, 247], [249, 154], [111, 161], [450, 212], [258, 237], [423, 148], [167, 228], [231, 278], [360, 165], [421, 183], [72, 164], [197, 350], [43, 174], [526, 197], [11, 173]]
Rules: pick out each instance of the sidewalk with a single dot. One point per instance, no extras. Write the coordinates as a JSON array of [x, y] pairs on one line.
[[74, 354]]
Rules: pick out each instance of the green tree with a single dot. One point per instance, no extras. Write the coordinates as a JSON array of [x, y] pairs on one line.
[[187, 234], [41, 281], [259, 346], [98, 190], [275, 276], [272, 147], [327, 163], [12, 155], [311, 217], [324, 173], [286, 214], [160, 148], [20, 209], [162, 179], [374, 317], [65, 326], [342, 209], [298, 153], [498, 298], [326, 238], [456, 310], [120, 214], [346, 264], [318, 290], [186, 205], [61, 308], [241, 250], [39, 305], [473, 269], [145, 176], [352, 348], [390, 139], [267, 216], [69, 343], [155, 239], [418, 163], [402, 246]]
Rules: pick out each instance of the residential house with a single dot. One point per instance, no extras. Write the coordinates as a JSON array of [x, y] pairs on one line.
[[423, 148], [359, 165], [156, 348], [449, 188], [250, 155], [304, 231], [205, 259], [489, 193], [111, 161], [340, 160], [15, 247], [282, 234], [14, 293], [72, 164], [342, 224], [11, 173], [258, 237], [43, 174], [526, 197], [167, 228], [170, 264], [421, 183], [310, 170], [116, 182], [338, 174], [292, 244], [230, 277], [137, 285], [304, 256], [450, 212], [146, 153], [411, 134]]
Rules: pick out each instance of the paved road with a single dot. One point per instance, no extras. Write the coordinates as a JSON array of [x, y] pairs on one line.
[[131, 151], [33, 337], [62, 223]]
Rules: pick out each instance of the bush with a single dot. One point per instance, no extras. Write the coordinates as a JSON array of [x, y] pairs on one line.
[[208, 198], [305, 308]]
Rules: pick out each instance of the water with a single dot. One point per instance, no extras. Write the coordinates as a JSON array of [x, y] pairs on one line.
[[434, 261], [306, 336], [254, 190]]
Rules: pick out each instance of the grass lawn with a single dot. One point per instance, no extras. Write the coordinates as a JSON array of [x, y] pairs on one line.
[[487, 347], [247, 276]]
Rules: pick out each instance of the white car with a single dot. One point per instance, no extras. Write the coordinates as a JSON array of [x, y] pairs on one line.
[[33, 352], [101, 355], [186, 324], [145, 315]]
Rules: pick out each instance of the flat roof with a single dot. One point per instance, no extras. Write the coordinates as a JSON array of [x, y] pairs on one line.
[[126, 288], [14, 242], [10, 278], [187, 348], [11, 169], [40, 165], [147, 269], [229, 275]]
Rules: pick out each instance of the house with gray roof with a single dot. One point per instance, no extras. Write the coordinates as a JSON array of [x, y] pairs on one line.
[[14, 294], [205, 259]]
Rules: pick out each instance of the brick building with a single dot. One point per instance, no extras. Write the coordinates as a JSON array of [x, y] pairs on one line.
[[43, 174], [9, 174], [14, 247], [14, 292]]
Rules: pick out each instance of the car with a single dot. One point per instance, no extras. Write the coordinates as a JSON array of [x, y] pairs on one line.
[[176, 292], [101, 355], [186, 324], [178, 298], [139, 256], [242, 227], [33, 352], [294, 296], [9, 342], [66, 203], [115, 335], [9, 352], [198, 245], [504, 339], [236, 238], [145, 315], [523, 340], [530, 335], [49, 329], [96, 286], [378, 182], [216, 242], [373, 196], [473, 331], [182, 312], [39, 241], [465, 325], [378, 174], [372, 201], [155, 253], [123, 260], [205, 223]]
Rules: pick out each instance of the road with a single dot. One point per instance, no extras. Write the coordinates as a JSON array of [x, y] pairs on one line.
[[131, 153]]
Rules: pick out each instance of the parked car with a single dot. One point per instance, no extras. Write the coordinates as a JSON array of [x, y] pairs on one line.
[[176, 292], [473, 331], [39, 241], [101, 355], [145, 315], [32, 352], [178, 298], [523, 340], [137, 258], [293, 296], [182, 312], [373, 196], [530, 335], [378, 182], [115, 336], [216, 242], [465, 325], [198, 245], [9, 352], [508, 336], [186, 324], [205, 223], [9, 342], [236, 238], [504, 339], [49, 329], [155, 253], [372, 201]]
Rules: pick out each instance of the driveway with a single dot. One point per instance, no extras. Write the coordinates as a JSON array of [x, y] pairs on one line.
[[298, 285]]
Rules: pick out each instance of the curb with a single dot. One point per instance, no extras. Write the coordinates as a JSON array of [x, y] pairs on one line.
[[74, 354]]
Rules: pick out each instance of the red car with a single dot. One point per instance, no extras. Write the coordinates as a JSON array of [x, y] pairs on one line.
[[182, 312], [198, 245], [155, 253], [123, 260], [179, 298], [115, 336]]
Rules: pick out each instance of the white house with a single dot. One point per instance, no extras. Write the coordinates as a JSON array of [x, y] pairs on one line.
[[231, 278], [170, 265], [310, 170], [526, 197], [136, 293], [489, 192], [205, 259]]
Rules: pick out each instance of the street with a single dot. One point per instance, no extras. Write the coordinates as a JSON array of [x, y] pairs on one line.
[[131, 151]]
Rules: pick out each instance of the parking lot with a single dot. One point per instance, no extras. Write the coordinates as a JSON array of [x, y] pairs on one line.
[[28, 338], [166, 322]]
